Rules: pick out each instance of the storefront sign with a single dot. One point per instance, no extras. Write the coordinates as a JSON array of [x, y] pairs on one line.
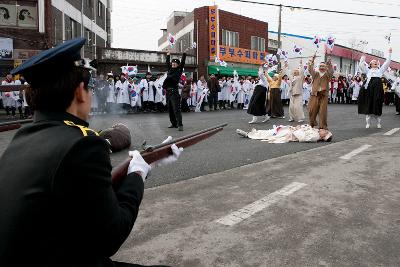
[[6, 48], [24, 54], [236, 54], [213, 29]]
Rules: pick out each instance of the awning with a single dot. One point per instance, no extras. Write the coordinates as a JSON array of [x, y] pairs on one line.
[[228, 71]]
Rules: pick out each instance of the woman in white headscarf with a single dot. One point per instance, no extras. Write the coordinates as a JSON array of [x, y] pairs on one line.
[[370, 99]]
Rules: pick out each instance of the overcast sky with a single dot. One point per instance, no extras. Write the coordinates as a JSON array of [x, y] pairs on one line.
[[136, 24]]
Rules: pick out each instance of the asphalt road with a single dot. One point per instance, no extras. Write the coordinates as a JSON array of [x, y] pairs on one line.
[[312, 208], [225, 150]]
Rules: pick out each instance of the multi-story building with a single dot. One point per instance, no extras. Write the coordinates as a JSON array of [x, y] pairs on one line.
[[29, 26], [239, 41], [345, 59]]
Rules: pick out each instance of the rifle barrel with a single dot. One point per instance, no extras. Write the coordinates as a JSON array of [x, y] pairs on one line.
[[174, 141]]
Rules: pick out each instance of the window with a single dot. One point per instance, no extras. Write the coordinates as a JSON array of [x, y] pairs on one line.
[[257, 43], [99, 9], [230, 38], [71, 29], [88, 36]]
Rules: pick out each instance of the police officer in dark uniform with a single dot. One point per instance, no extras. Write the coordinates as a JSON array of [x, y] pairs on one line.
[[175, 70], [57, 204]]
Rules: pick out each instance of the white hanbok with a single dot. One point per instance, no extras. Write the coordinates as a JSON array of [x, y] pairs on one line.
[[226, 90], [247, 87], [284, 134], [285, 94], [306, 92], [134, 93], [9, 98], [123, 94], [111, 93], [147, 89], [356, 89], [221, 92], [158, 84], [201, 86], [193, 94]]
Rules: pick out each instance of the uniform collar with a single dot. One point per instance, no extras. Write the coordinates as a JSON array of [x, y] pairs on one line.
[[58, 116]]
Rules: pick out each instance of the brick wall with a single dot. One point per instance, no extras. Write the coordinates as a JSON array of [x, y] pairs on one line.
[[246, 27]]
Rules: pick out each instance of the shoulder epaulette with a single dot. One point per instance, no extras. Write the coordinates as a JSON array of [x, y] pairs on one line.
[[85, 130]]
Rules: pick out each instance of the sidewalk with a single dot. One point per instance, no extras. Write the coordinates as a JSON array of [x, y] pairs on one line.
[[347, 213]]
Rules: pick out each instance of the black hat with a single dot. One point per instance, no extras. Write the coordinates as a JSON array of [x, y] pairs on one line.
[[148, 73], [57, 58], [176, 61]]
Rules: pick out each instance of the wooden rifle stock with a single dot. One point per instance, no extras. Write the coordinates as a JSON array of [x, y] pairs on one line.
[[12, 87], [163, 150], [12, 125]]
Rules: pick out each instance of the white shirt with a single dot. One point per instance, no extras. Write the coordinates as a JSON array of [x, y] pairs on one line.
[[375, 72]]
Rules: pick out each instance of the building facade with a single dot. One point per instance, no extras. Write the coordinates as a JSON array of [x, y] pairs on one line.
[[238, 40], [345, 59], [112, 59], [29, 26]]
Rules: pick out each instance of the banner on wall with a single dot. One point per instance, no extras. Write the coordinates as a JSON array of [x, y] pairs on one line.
[[237, 54], [213, 30], [22, 15], [27, 16], [6, 48]]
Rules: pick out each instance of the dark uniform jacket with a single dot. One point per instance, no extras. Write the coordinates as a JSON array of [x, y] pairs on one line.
[[57, 204], [213, 85], [174, 74]]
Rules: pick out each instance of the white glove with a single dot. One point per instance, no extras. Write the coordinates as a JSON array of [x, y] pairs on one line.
[[138, 165], [176, 152]]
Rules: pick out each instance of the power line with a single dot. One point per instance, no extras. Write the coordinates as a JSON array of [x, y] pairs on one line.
[[316, 9]]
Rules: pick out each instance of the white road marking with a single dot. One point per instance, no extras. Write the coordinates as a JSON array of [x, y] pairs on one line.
[[251, 209], [392, 131], [355, 152]]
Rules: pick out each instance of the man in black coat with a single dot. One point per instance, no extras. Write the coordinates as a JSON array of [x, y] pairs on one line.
[[213, 86], [57, 204], [175, 70]]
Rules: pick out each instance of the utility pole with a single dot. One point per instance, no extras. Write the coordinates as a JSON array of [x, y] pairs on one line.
[[279, 34], [82, 28]]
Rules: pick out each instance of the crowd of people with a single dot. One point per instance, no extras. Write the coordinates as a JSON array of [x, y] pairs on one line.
[[121, 94]]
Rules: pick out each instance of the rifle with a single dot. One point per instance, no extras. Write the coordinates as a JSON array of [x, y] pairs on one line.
[[12, 125], [154, 153]]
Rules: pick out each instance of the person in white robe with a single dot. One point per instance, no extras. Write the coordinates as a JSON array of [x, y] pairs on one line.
[[146, 86], [221, 93], [193, 94], [285, 95], [202, 93], [296, 112], [240, 93], [9, 100], [159, 98], [285, 134], [121, 86], [111, 96], [307, 87], [356, 85], [226, 89], [247, 89]]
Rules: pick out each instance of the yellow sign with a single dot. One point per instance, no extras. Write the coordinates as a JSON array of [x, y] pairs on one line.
[[17, 62], [236, 54], [213, 30]]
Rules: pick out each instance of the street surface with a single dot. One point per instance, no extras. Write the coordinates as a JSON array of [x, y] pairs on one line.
[[251, 203]]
